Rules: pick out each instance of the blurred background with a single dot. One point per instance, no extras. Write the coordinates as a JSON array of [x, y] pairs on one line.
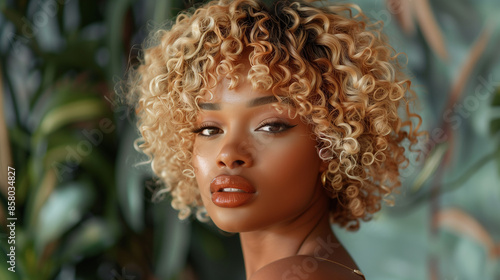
[[84, 210]]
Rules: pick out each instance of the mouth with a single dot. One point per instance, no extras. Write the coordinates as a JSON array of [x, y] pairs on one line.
[[231, 191]]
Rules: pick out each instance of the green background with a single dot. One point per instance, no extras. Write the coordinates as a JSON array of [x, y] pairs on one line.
[[85, 210]]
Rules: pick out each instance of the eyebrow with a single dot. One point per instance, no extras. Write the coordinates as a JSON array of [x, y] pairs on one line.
[[259, 101], [209, 106]]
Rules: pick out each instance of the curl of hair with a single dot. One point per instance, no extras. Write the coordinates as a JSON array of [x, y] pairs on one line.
[[337, 68]]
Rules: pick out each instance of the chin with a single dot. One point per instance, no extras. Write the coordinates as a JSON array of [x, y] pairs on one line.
[[235, 220]]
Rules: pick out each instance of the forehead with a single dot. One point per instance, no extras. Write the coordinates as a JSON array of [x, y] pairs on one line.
[[242, 95], [225, 91]]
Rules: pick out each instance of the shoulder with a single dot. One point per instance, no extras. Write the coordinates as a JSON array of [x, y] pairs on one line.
[[304, 267]]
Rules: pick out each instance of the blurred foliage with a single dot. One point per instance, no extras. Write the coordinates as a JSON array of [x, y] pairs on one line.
[[85, 210], [445, 223]]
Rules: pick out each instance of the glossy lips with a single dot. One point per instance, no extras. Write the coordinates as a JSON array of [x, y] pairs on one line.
[[231, 191]]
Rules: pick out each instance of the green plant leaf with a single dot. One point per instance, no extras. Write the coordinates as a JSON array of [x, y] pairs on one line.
[[8, 86], [67, 149], [117, 10], [83, 109], [38, 195], [91, 237], [66, 59], [87, 11], [495, 126], [430, 166], [23, 27], [162, 11], [68, 102], [497, 158], [48, 73], [495, 123], [130, 181], [63, 209], [59, 154], [171, 239]]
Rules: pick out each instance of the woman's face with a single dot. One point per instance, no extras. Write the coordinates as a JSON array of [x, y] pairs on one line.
[[255, 167]]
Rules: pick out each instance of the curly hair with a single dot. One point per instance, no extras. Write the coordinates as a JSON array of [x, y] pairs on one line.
[[338, 69]]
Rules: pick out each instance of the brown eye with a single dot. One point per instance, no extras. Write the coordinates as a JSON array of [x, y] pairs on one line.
[[209, 131], [275, 127]]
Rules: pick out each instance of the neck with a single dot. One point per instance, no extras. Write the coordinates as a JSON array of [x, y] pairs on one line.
[[300, 236]]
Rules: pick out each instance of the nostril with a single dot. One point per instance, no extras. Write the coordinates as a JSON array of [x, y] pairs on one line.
[[233, 164], [239, 163], [230, 157], [221, 163]]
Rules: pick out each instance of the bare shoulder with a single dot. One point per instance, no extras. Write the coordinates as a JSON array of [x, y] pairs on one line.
[[304, 267]]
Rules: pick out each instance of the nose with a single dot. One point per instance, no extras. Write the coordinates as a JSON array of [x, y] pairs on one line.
[[234, 154]]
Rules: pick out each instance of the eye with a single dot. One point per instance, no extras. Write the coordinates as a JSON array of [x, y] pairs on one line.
[[275, 127], [207, 131]]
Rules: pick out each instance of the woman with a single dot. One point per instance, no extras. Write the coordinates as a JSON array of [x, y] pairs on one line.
[[275, 122]]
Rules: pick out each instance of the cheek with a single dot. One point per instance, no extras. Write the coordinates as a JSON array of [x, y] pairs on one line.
[[298, 154], [201, 158], [202, 176], [200, 162], [294, 165]]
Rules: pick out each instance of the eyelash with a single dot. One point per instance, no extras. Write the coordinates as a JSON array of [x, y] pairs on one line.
[[198, 130], [284, 126]]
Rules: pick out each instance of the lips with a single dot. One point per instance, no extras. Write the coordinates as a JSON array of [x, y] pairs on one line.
[[231, 191]]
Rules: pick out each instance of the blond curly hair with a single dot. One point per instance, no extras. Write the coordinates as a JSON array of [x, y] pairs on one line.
[[338, 69]]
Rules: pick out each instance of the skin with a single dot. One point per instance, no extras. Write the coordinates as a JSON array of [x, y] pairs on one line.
[[287, 221]]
